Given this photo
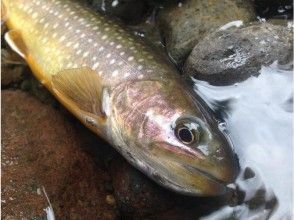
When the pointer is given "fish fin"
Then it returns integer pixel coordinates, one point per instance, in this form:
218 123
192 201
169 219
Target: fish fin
15 41
80 88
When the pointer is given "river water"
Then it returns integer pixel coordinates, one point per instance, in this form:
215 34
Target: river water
257 114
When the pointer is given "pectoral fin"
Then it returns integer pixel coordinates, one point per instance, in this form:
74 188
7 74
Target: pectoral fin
81 90
15 41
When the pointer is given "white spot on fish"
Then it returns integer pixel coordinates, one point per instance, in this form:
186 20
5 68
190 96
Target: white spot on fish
35 15
95 66
104 37
112 61
76 45
122 53
126 74
62 38
55 25
140 67
101 49
46 25
42 20
114 73
118 46
140 76
108 55
130 58
44 40
86 54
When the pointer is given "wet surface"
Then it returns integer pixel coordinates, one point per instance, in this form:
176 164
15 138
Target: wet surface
258 116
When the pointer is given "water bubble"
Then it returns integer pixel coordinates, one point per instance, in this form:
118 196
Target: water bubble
281 9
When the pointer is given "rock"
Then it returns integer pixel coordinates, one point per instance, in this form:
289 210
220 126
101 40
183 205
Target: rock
190 21
233 55
11 75
130 11
138 197
41 147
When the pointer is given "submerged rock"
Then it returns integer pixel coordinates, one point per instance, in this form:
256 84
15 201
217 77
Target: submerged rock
230 56
274 8
130 11
185 24
40 147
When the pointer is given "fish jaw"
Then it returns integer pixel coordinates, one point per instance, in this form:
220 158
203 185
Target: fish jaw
144 121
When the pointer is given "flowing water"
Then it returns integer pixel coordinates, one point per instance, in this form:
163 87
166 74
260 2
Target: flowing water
257 114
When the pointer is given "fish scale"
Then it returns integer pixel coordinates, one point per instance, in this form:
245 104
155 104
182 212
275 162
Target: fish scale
125 92
68 35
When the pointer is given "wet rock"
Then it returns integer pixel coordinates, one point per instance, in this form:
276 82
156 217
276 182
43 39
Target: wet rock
12 68
130 11
41 147
185 24
11 75
233 55
138 197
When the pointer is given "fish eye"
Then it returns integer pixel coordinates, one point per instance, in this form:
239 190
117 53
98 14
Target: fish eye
188 132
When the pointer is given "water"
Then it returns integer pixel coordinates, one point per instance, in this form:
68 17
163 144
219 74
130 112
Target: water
258 117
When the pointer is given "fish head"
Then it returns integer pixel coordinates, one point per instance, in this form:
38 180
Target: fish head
173 138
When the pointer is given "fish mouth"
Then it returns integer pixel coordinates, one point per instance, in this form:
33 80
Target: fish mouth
220 187
211 185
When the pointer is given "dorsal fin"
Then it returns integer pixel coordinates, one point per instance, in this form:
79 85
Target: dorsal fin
81 90
15 41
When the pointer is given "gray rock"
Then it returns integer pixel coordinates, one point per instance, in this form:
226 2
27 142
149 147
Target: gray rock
230 56
184 25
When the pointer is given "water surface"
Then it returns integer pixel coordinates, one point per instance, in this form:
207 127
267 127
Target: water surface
257 114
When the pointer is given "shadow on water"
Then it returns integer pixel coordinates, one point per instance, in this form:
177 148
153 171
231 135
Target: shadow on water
258 116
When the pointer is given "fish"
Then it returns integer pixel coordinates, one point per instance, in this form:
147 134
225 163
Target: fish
119 87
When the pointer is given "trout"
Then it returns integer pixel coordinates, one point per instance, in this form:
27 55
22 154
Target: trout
125 92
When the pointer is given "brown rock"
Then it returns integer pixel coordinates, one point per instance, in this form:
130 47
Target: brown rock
40 147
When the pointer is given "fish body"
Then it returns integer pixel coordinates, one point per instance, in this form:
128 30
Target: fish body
122 90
